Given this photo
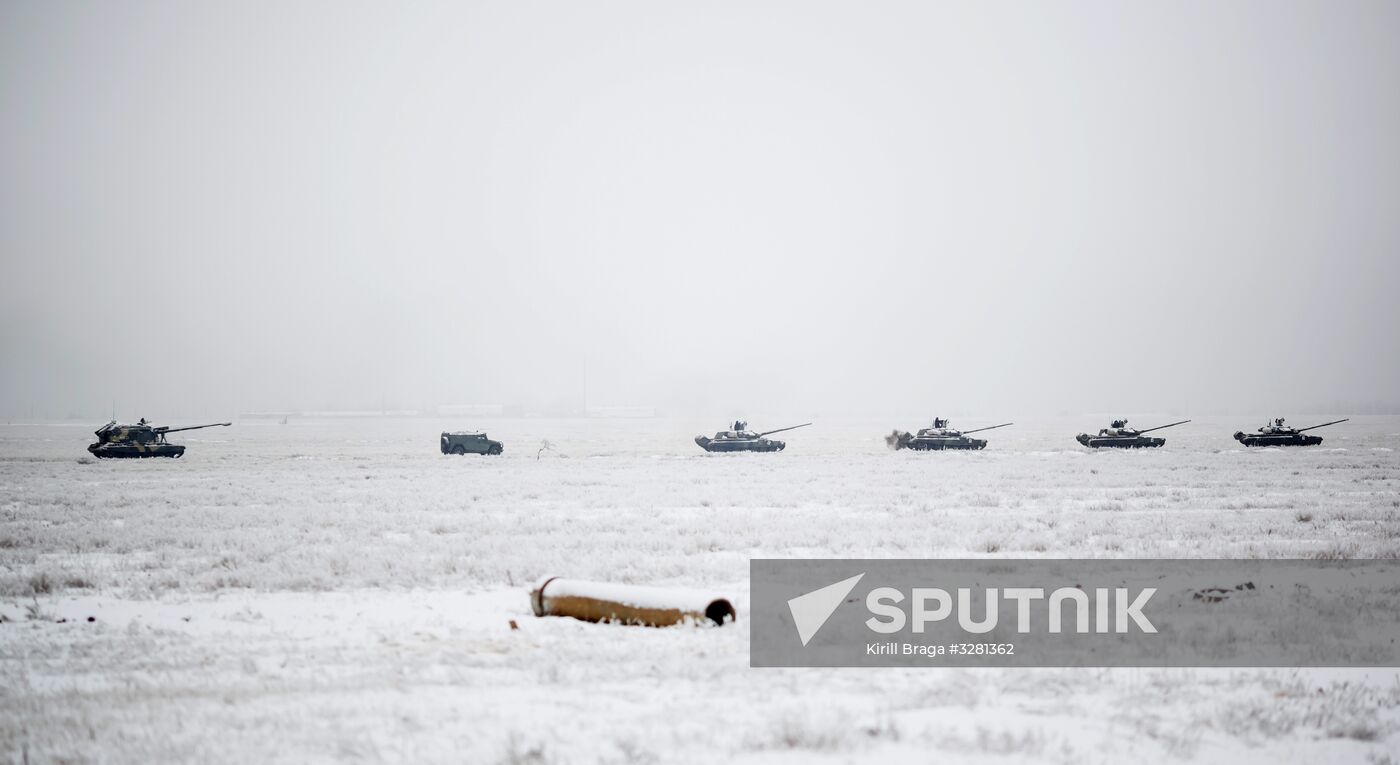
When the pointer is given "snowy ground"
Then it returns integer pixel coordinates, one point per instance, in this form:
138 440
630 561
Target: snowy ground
336 589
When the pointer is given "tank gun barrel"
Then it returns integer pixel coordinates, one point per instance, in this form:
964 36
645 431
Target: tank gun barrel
780 430
989 427
192 427
1159 427
1323 425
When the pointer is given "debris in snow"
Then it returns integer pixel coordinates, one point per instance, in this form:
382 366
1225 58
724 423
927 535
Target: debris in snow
628 604
1220 594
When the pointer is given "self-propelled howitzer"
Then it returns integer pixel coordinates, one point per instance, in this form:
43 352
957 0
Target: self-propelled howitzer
140 440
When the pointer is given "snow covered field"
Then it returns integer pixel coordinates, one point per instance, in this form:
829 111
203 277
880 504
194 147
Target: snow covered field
335 589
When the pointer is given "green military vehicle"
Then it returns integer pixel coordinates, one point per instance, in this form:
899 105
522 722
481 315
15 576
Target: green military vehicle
1277 434
469 442
140 440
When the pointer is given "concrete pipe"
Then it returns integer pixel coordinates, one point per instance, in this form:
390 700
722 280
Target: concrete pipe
627 604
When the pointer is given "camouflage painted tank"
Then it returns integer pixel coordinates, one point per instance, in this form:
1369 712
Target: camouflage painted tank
1119 436
939 438
139 440
741 439
1278 434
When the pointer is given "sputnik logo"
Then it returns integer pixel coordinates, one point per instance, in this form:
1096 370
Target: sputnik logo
810 611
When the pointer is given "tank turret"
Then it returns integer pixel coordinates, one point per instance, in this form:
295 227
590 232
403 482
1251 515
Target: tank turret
140 440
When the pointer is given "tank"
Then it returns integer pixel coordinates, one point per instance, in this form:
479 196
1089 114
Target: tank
939 437
1277 434
1119 436
140 440
741 439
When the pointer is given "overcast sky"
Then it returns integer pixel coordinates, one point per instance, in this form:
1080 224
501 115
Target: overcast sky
807 208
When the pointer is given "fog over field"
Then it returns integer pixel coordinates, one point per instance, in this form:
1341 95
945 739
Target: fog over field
209 208
598 230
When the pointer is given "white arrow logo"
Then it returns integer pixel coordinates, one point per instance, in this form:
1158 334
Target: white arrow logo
810 611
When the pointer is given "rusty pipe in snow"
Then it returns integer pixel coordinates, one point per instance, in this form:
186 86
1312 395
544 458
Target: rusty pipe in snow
627 603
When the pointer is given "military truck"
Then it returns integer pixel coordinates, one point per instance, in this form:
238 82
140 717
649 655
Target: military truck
469 442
